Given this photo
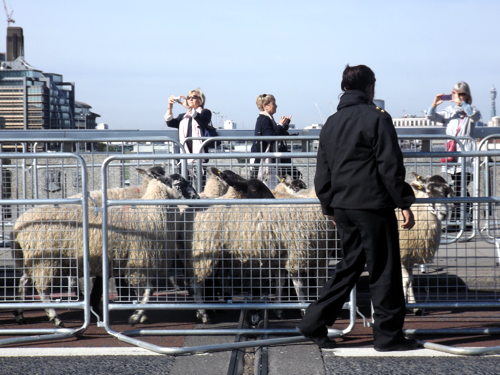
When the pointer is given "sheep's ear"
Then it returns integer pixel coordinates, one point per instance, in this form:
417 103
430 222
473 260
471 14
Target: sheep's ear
141 171
418 177
282 179
156 172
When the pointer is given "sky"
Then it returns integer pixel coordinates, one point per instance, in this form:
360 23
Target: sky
127 57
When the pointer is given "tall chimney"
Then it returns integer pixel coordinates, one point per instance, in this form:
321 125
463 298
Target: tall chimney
15 43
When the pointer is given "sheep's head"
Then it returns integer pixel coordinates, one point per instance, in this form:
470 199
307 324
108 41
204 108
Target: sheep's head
250 189
294 184
231 178
433 187
183 186
157 173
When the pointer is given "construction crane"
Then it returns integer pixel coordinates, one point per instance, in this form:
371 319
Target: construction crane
7 14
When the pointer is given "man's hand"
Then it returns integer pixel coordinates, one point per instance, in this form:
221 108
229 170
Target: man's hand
332 219
409 220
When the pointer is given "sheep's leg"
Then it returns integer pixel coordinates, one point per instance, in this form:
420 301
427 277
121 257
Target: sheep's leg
279 294
203 266
201 314
43 275
23 282
299 290
51 313
139 316
407 274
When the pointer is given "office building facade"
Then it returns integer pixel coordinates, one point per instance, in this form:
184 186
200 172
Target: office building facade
33 100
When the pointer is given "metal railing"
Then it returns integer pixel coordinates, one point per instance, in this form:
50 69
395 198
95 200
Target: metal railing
44 264
463 273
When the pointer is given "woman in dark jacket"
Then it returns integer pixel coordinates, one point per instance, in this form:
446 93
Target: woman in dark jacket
191 123
266 126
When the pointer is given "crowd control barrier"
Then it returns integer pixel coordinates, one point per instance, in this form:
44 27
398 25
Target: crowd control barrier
45 274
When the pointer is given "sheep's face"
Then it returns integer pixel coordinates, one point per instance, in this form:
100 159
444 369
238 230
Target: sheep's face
297 185
184 187
231 178
434 187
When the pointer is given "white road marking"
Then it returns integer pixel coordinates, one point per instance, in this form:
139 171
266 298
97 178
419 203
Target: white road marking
135 351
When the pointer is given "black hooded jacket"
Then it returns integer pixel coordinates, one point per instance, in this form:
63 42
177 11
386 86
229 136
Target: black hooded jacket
360 164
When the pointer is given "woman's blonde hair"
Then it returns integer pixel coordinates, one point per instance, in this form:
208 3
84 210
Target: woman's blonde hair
199 93
463 88
263 100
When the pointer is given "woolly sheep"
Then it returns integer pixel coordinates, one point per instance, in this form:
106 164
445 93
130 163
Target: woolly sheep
261 237
419 244
139 240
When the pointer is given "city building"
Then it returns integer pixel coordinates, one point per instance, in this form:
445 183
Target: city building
31 99
229 125
84 117
413 121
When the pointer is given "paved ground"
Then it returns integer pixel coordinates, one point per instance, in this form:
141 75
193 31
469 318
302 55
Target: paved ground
95 352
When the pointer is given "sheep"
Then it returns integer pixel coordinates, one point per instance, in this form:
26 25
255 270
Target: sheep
275 237
139 240
183 186
419 244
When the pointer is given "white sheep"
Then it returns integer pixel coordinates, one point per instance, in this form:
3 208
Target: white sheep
419 244
267 238
140 239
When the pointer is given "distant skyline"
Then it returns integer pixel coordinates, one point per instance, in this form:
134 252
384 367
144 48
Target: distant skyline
126 57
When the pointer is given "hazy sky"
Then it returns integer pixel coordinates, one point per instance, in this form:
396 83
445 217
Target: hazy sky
126 57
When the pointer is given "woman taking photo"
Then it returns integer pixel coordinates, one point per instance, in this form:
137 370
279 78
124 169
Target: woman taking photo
193 122
266 126
459 118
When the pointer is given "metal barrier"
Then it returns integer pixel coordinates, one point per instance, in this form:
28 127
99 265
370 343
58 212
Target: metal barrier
243 165
244 254
54 254
462 274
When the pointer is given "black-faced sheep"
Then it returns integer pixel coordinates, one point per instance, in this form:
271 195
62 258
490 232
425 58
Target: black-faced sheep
140 240
419 244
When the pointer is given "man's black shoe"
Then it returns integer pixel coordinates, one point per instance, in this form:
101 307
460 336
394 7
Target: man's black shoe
322 341
403 345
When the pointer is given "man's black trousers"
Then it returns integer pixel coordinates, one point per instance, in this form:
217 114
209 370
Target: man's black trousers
368 237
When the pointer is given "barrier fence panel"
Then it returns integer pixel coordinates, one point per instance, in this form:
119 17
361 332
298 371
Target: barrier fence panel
461 270
208 254
54 178
160 259
47 256
245 166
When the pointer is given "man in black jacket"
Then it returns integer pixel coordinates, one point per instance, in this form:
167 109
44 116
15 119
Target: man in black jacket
360 180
